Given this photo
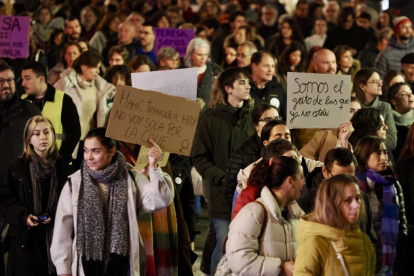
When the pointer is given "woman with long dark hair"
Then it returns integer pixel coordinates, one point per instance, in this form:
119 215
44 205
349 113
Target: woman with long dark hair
289 31
368 87
377 180
96 229
29 193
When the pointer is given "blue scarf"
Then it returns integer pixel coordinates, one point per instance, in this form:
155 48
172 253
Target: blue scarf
389 224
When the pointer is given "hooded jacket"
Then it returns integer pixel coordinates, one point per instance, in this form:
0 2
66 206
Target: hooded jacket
249 256
316 255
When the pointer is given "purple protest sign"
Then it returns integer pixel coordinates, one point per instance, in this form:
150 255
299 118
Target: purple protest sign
175 38
14 36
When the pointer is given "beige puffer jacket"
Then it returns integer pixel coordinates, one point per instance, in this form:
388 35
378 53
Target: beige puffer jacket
249 256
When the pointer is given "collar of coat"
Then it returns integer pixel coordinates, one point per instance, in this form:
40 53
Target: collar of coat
294 211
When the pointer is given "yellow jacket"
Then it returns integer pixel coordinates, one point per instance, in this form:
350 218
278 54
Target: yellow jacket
316 255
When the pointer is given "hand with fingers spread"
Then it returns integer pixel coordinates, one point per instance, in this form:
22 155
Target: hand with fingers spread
154 154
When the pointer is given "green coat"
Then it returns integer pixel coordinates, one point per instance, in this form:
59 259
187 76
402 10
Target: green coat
221 130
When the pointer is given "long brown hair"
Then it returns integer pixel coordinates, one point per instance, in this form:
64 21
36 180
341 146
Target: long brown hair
330 196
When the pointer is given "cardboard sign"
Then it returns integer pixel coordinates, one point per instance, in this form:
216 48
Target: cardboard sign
179 82
317 100
142 160
138 115
14 36
175 38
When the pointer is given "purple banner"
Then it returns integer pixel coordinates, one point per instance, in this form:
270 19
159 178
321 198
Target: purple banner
175 38
14 36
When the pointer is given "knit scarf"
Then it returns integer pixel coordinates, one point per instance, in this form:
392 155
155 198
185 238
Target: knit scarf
389 224
102 226
40 172
158 231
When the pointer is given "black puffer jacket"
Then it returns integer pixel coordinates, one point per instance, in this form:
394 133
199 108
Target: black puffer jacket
247 154
273 93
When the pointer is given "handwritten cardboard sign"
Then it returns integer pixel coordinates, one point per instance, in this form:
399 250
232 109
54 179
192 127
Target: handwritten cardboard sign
14 36
138 115
317 100
142 160
179 82
175 38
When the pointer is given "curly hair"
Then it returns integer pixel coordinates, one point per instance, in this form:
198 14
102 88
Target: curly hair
365 121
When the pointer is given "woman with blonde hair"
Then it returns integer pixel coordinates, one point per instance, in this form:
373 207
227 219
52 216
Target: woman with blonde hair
330 240
198 55
29 193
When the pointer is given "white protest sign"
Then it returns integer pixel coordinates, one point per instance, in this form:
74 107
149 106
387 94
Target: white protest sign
317 100
179 82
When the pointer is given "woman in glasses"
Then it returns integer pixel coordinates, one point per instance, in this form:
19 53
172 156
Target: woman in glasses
401 97
324 140
377 180
368 87
249 152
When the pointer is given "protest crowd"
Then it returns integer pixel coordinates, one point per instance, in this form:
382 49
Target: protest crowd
284 196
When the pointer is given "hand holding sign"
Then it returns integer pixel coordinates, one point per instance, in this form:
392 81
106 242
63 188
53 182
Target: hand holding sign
154 154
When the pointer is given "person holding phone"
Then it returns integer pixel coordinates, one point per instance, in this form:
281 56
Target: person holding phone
29 193
96 229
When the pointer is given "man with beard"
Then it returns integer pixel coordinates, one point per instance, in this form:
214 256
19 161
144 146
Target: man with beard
400 44
73 30
324 62
89 20
268 25
147 39
14 113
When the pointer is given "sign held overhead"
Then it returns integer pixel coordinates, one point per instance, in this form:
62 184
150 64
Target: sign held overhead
179 82
138 115
317 100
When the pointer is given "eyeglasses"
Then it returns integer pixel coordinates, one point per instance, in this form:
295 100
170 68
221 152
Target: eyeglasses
9 81
269 119
375 82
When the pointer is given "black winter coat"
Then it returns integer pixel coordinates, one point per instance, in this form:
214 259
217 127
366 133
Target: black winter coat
273 93
14 115
356 38
221 130
247 154
27 252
